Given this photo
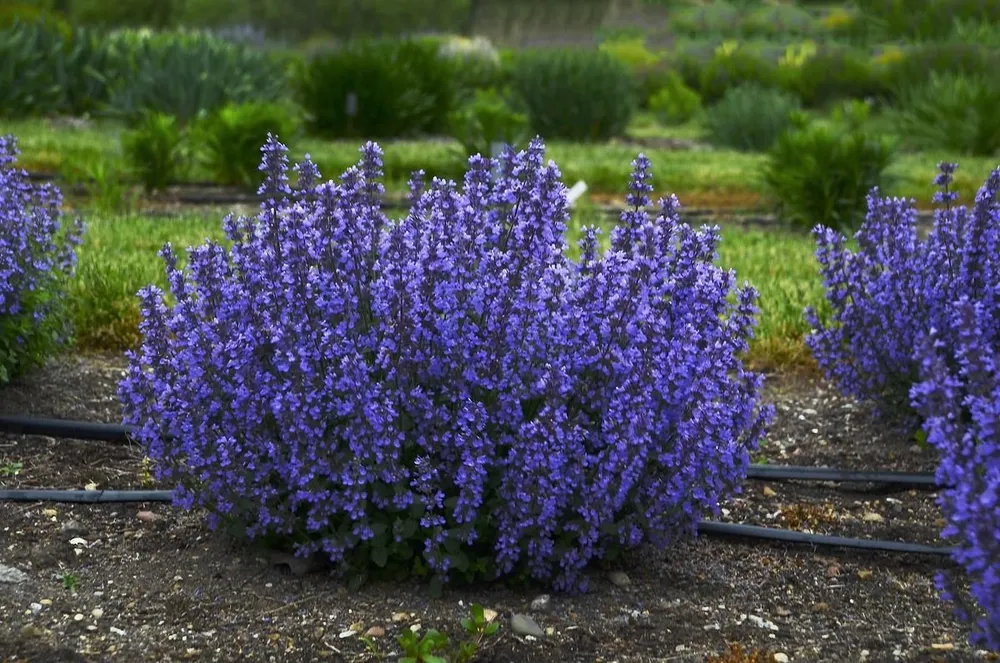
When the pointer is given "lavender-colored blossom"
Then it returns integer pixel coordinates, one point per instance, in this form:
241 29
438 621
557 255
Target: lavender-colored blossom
449 386
36 254
960 400
916 324
886 295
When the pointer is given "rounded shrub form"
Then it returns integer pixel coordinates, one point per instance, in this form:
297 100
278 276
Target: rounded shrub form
750 117
449 394
959 398
575 94
897 286
37 253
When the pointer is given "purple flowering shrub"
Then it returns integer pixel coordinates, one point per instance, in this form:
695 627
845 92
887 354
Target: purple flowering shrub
890 292
448 395
37 254
959 398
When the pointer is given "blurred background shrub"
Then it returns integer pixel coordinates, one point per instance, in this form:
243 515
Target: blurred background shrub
575 94
378 89
749 117
822 172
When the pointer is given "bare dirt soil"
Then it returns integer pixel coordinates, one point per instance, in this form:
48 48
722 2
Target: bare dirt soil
153 583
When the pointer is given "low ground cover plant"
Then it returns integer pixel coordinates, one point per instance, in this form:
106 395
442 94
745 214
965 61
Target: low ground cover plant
959 398
37 254
449 395
887 295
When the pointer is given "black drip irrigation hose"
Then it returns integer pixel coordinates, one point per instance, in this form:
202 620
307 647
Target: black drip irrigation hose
118 434
706 527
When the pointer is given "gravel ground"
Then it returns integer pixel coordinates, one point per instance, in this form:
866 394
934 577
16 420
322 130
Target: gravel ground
151 583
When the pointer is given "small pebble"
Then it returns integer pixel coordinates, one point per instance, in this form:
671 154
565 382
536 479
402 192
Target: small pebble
97 613
781 657
619 579
72 529
525 625
35 608
375 632
541 603
116 630
400 616
78 617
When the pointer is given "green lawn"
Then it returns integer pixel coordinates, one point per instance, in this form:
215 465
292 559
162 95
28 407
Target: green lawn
715 178
119 257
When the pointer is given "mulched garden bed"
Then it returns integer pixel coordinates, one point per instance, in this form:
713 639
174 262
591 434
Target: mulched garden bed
152 583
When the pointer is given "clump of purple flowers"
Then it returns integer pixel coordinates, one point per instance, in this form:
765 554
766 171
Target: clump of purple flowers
449 394
896 286
36 255
960 400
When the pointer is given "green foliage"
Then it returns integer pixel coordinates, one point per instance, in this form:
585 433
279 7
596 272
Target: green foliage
922 19
228 141
103 180
730 68
632 52
10 468
912 66
750 117
485 120
716 17
185 74
957 113
69 581
575 94
153 150
675 103
433 646
778 20
47 70
475 64
821 173
402 88
831 74
134 13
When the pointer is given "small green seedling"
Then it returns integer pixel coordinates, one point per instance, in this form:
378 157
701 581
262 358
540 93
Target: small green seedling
11 469
433 647
424 649
69 581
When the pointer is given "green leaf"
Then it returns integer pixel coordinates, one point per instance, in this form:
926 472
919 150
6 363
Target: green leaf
380 556
492 628
436 587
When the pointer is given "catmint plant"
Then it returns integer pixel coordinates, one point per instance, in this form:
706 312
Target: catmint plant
959 397
37 253
449 394
896 286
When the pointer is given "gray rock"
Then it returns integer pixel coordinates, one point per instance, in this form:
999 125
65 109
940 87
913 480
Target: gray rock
72 529
541 603
12 575
525 625
619 579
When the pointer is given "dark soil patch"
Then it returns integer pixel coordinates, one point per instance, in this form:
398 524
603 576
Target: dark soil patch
165 588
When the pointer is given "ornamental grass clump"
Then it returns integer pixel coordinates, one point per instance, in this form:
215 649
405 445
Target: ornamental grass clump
959 398
37 254
448 395
890 292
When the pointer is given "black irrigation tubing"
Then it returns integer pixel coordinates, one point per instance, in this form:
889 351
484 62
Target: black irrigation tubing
706 527
118 434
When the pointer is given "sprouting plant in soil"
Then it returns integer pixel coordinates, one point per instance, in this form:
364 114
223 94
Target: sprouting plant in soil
11 469
69 581
433 646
